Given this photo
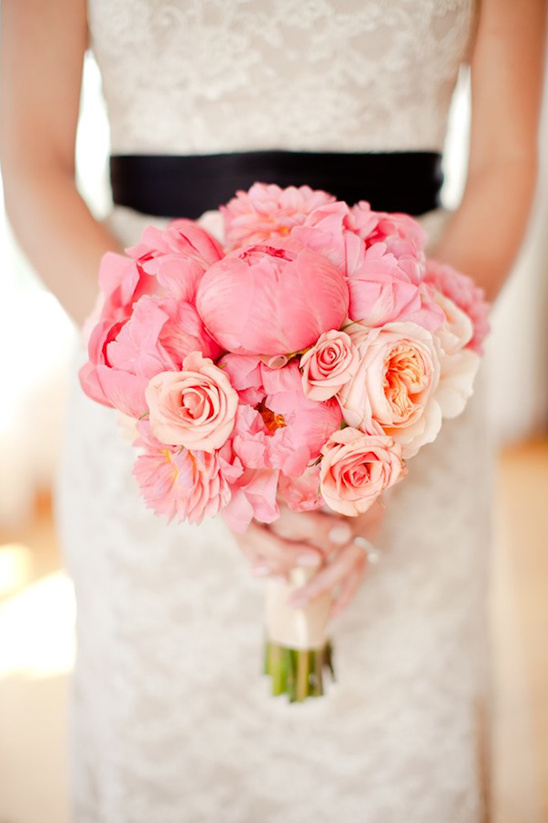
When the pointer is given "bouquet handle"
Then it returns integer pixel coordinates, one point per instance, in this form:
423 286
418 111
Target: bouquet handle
297 648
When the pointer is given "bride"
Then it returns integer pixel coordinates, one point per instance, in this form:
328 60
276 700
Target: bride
171 719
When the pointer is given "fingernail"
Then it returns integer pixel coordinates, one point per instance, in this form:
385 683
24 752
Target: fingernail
312 561
340 534
260 571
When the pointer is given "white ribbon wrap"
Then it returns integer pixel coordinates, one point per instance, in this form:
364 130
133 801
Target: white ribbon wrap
302 629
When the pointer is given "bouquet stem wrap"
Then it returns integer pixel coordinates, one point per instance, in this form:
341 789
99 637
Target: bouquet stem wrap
297 648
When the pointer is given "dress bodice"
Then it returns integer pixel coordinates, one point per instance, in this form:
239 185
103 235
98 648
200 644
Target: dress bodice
206 76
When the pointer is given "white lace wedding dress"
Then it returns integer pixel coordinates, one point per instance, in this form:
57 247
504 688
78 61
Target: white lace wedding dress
173 722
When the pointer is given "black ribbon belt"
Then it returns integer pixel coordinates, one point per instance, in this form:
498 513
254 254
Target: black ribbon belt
187 186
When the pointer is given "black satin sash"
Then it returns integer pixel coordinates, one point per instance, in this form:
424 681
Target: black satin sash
187 186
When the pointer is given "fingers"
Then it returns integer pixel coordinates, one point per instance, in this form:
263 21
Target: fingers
270 554
350 560
324 531
347 590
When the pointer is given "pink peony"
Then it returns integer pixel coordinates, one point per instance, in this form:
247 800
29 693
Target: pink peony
186 484
177 256
122 283
387 289
271 300
303 425
381 227
143 328
395 386
267 212
328 365
302 494
462 290
253 496
356 468
195 407
284 430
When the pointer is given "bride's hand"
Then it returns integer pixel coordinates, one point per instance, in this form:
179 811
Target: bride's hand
345 560
314 539
294 539
273 555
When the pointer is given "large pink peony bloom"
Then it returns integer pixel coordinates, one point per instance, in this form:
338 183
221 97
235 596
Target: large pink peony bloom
146 323
177 256
395 386
195 407
382 227
303 424
122 283
462 290
385 288
271 300
356 468
267 212
189 485
284 429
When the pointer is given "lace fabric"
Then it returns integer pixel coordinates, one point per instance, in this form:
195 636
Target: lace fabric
172 719
206 76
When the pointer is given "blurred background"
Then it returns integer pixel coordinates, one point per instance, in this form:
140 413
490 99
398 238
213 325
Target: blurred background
37 609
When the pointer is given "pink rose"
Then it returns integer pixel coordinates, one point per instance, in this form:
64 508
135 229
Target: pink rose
462 290
328 365
195 407
395 384
267 211
356 468
189 485
271 300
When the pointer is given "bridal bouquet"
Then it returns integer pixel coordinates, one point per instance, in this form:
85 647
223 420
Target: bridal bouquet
302 356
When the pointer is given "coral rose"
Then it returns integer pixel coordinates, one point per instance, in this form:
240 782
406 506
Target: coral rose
328 365
271 299
356 468
195 407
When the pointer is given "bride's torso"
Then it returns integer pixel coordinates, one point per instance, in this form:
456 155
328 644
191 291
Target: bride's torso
207 76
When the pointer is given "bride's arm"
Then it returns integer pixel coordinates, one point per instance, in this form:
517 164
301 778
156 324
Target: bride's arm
485 232
42 52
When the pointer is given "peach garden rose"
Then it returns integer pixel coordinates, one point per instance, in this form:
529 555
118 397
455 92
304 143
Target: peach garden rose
395 384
